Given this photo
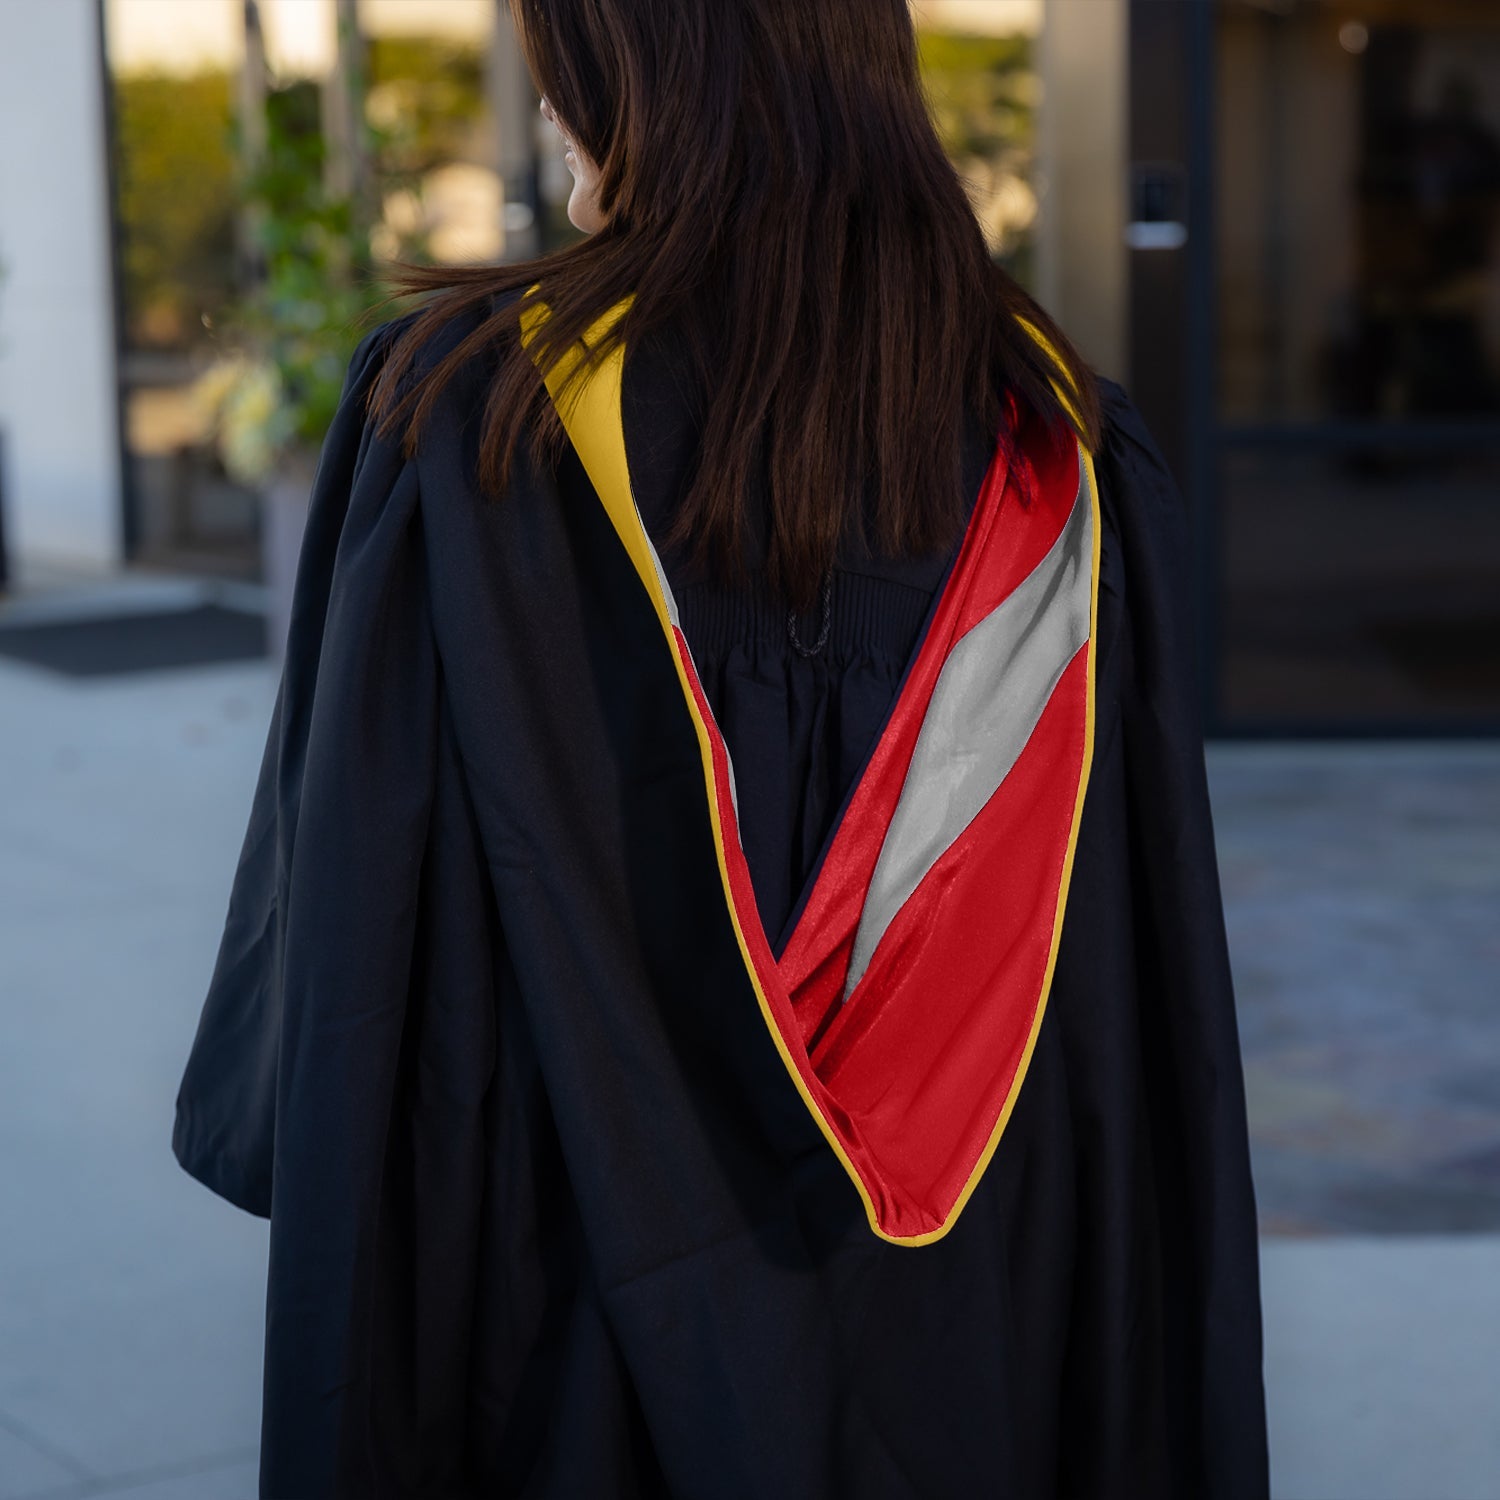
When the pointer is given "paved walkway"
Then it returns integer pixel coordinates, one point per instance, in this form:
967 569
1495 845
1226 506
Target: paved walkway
1362 889
130 1298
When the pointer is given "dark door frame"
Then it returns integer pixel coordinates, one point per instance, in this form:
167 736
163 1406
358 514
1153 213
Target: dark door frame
1170 286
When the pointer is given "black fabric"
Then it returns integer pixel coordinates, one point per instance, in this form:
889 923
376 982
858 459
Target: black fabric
548 1216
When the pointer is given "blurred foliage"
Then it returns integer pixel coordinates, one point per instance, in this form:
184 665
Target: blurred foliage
426 97
285 338
175 168
983 92
289 338
313 280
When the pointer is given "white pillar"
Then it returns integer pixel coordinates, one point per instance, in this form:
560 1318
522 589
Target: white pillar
1082 265
514 103
58 401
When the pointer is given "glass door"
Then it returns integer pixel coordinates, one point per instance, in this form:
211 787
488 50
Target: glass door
1356 446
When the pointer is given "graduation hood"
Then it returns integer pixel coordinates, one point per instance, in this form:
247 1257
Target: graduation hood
905 1005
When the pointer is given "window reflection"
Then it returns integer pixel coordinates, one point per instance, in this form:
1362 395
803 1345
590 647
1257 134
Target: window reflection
1359 210
1358 261
177 91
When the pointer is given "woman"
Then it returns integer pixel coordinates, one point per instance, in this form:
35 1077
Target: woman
724 991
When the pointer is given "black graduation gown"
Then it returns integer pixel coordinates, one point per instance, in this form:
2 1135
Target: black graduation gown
548 1216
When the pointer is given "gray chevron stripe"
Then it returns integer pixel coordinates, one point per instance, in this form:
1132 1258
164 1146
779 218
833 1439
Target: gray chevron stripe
672 615
661 572
985 705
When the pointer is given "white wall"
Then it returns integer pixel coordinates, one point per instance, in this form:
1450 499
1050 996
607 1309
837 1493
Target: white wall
62 481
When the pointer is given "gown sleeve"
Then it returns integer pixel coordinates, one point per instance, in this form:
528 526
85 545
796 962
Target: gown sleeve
341 1079
322 893
1194 1083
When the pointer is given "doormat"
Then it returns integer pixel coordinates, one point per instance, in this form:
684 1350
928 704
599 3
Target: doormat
114 645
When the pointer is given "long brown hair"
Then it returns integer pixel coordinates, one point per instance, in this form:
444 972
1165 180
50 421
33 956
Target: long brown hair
773 187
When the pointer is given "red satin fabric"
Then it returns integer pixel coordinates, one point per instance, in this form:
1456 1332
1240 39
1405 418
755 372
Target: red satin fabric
912 1073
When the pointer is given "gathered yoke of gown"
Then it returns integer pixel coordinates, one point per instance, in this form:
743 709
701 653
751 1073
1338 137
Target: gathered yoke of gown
800 706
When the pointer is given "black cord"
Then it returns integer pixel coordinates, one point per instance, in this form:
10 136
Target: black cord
791 621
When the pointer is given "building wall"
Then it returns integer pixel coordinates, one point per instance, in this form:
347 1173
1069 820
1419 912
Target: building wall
58 403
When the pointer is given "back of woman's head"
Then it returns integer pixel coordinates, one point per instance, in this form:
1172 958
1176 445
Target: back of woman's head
770 184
